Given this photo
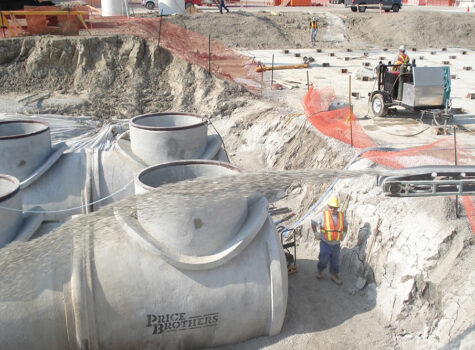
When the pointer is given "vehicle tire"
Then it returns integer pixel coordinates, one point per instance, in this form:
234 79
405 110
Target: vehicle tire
396 8
150 5
387 10
362 8
378 107
353 8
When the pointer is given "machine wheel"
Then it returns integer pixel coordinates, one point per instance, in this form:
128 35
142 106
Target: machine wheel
150 5
387 10
362 8
396 8
353 8
378 107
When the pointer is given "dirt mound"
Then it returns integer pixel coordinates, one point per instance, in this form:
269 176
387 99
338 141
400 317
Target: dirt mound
110 76
421 29
266 30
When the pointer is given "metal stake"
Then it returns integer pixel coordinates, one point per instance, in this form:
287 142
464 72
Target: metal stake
349 107
262 83
160 27
272 73
456 162
209 53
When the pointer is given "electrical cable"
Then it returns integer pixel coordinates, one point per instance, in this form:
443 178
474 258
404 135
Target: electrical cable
69 209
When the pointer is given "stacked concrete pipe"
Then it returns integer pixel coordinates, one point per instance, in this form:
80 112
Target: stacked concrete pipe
57 180
217 277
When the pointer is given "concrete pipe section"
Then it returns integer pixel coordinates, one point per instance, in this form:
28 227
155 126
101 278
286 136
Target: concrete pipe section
213 275
10 197
164 137
15 226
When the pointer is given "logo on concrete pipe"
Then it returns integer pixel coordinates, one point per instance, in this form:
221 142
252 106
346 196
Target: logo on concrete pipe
180 321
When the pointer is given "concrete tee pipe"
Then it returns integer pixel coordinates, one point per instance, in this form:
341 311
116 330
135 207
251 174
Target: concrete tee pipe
124 287
10 197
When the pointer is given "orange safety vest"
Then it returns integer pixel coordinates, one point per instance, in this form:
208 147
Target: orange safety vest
401 59
330 231
313 24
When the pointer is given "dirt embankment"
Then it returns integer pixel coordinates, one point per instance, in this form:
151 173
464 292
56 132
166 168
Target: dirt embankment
110 76
421 29
264 30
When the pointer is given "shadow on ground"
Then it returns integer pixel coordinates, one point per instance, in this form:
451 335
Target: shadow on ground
315 305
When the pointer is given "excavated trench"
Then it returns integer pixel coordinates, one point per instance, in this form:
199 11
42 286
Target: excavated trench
416 289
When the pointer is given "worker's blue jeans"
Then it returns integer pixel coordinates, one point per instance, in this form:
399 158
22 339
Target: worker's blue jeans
313 34
329 253
221 5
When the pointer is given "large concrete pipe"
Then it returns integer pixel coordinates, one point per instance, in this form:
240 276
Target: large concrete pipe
126 288
10 197
115 8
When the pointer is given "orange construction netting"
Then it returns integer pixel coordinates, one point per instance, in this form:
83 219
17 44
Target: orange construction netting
191 46
429 2
343 125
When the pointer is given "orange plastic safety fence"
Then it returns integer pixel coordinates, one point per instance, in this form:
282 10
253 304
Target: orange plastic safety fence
429 2
193 47
342 124
316 101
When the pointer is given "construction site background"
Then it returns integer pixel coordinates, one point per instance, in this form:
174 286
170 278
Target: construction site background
230 65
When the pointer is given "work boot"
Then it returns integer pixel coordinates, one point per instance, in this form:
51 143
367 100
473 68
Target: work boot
335 279
318 275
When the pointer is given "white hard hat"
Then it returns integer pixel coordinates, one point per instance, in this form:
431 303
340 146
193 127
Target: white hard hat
313 18
402 48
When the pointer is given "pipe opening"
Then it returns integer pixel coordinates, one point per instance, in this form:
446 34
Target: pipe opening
166 121
21 128
173 172
9 186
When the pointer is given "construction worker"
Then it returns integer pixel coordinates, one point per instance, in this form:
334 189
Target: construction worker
329 226
313 30
402 59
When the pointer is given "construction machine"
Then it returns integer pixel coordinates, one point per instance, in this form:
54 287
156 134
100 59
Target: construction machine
414 88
